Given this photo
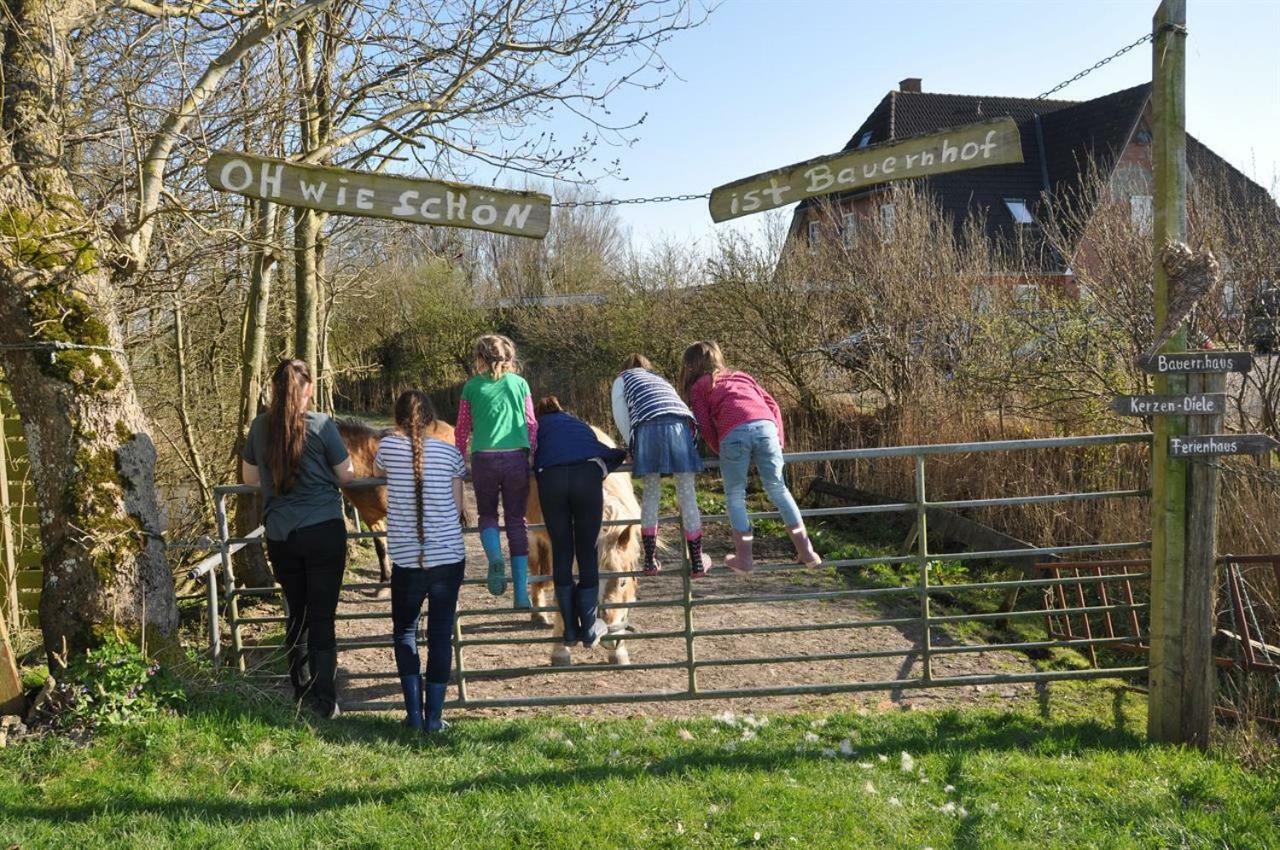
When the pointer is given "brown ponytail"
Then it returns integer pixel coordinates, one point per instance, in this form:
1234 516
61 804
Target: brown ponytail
287 422
414 417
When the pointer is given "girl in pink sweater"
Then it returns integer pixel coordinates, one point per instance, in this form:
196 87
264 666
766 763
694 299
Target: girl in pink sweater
741 423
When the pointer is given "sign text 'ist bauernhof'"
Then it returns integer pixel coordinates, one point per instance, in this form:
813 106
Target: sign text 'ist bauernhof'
360 193
995 142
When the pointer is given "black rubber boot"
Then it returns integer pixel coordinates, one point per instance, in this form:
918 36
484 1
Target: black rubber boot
568 613
591 628
324 688
299 672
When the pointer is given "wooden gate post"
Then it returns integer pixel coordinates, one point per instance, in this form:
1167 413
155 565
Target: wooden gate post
1183 503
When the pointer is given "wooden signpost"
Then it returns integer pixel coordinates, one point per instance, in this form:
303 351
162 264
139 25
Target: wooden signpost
972 146
361 193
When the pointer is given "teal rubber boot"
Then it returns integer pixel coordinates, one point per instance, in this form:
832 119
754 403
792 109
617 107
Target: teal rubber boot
491 540
520 580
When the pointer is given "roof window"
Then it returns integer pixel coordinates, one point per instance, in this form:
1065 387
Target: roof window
1018 209
865 140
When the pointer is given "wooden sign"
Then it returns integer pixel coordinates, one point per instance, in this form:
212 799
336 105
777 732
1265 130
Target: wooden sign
1221 444
1191 362
1202 404
348 192
972 146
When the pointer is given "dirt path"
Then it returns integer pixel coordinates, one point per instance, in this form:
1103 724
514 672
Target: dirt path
357 665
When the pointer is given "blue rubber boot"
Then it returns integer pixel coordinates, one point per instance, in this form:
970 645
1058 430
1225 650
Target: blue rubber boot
433 708
491 540
412 687
520 579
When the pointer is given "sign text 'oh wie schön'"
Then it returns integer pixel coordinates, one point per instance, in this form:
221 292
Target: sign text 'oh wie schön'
360 193
972 146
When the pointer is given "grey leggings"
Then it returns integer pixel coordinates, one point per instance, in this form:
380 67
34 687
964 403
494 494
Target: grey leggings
686 495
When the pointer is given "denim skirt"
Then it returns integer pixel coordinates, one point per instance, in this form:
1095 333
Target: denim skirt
665 446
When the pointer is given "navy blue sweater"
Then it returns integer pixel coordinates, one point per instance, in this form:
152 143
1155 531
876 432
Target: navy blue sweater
565 439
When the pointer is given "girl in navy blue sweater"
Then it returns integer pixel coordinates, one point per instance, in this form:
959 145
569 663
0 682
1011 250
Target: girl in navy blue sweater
571 464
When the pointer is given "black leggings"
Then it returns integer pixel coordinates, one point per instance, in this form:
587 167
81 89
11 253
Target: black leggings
309 564
572 505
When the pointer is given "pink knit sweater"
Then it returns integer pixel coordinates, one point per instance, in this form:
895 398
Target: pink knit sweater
733 399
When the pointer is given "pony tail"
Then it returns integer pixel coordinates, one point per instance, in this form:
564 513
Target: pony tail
287 422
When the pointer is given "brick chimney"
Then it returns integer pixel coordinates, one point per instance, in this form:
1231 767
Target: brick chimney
910 84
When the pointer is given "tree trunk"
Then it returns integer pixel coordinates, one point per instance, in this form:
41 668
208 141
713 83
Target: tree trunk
251 565
184 409
306 236
92 460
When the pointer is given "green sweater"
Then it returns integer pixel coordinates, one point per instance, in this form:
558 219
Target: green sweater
495 415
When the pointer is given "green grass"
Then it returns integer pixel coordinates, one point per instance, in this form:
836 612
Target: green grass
1072 770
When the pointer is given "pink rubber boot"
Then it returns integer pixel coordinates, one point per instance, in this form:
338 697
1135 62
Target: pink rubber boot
804 546
741 561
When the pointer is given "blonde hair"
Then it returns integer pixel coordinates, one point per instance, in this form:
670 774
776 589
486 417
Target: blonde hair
701 358
496 354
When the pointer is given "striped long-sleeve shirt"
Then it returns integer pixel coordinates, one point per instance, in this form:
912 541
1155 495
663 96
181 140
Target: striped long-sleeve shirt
639 396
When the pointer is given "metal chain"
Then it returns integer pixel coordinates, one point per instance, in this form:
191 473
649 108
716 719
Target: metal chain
617 202
663 199
1087 71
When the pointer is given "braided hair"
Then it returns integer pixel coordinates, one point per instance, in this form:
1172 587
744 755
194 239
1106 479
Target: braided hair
415 416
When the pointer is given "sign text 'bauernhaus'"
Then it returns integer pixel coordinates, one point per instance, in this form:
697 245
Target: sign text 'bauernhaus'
1204 404
971 146
347 192
1185 362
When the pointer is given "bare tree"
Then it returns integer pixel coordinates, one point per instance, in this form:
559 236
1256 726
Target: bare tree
108 110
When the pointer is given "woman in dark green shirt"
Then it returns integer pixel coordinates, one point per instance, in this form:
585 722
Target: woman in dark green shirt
299 460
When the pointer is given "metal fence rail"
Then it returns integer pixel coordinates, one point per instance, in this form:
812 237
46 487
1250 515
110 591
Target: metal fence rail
921 596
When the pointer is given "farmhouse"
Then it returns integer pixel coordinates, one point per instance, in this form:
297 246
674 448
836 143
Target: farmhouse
1061 141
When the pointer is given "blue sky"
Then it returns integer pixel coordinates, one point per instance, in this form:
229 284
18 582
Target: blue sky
768 82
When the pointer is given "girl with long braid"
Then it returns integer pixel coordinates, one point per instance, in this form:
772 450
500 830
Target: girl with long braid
424 539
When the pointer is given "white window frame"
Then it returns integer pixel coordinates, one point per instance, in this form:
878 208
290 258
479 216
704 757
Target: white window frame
849 227
865 139
888 221
1141 212
815 231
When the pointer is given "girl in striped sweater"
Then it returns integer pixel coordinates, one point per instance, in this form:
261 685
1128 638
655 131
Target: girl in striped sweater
659 430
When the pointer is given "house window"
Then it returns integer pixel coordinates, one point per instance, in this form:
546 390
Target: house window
1018 209
865 140
888 218
1140 212
849 227
815 232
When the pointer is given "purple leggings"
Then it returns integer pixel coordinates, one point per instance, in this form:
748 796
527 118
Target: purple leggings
505 475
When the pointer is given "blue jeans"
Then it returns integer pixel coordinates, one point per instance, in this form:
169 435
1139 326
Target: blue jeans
438 586
754 442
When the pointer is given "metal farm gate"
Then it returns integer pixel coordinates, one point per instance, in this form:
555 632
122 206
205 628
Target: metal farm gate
906 608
